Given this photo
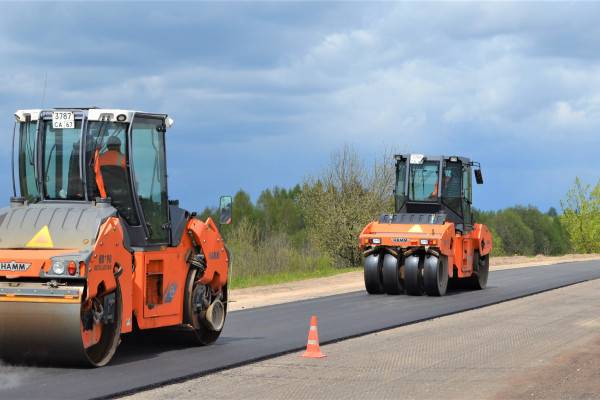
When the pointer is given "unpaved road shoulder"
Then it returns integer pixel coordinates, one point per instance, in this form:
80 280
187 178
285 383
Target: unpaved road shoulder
542 346
353 281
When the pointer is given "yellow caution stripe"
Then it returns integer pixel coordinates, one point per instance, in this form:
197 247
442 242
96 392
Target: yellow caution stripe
31 299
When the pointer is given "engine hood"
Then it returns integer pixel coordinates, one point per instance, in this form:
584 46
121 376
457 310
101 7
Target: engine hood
56 225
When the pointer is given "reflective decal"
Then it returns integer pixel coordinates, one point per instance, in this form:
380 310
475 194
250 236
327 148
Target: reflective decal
42 239
416 229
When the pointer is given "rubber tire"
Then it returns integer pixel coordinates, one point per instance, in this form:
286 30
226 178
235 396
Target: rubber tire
391 273
372 274
201 334
435 275
413 275
480 274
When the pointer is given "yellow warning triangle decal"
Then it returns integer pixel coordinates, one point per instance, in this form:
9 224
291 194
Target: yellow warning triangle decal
416 229
41 239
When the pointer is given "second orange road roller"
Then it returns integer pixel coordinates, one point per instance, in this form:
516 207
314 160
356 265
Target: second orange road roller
92 247
431 237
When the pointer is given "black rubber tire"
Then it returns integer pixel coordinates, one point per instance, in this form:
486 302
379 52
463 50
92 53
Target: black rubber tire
201 334
372 273
391 273
435 275
481 270
413 275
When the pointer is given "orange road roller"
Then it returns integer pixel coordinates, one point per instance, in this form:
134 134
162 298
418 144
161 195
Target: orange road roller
431 237
91 246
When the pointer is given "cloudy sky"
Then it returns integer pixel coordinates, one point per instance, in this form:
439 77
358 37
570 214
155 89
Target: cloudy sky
262 93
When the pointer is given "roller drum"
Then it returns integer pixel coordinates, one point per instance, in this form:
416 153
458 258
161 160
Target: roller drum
43 324
41 332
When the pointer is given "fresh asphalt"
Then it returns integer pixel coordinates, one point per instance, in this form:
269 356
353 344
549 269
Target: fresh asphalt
150 360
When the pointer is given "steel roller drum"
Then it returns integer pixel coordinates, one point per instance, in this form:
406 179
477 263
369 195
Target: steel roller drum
41 332
41 329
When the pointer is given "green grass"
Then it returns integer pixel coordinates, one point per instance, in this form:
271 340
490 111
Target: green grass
284 277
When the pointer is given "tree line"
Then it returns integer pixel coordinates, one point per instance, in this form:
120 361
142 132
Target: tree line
315 225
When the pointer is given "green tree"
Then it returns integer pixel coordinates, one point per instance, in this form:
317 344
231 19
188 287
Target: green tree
517 238
244 209
497 244
581 216
549 238
339 204
281 210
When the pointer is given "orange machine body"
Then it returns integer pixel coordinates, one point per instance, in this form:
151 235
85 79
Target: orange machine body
443 238
151 282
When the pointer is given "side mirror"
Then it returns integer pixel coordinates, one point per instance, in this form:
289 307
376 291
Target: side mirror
225 210
478 176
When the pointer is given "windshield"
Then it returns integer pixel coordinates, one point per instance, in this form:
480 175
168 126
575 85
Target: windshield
106 166
423 181
27 147
60 156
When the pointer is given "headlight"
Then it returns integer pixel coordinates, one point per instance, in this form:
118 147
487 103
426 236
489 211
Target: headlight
58 267
424 242
376 241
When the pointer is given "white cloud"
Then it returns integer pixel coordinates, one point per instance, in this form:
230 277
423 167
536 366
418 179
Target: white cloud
435 77
565 114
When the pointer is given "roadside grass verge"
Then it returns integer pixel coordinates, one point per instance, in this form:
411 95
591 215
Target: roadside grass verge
240 282
257 261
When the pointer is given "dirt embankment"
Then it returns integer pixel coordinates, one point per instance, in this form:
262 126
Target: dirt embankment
352 281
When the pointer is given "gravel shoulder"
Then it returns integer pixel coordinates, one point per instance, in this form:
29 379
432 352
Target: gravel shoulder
511 350
353 281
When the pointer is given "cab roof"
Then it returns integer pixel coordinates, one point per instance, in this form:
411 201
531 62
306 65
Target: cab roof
91 113
411 156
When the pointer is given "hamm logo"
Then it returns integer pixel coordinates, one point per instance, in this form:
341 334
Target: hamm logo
14 266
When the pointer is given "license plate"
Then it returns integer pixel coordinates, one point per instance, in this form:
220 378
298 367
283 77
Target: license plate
63 120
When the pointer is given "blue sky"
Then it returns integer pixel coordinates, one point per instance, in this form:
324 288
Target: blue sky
262 93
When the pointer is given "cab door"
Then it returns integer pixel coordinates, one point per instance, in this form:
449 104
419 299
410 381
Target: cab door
150 176
154 262
467 198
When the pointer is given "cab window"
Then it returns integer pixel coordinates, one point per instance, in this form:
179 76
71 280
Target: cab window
452 185
27 152
60 157
148 155
400 183
107 171
423 183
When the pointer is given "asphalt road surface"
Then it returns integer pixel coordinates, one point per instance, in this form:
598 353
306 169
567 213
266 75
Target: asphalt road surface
150 360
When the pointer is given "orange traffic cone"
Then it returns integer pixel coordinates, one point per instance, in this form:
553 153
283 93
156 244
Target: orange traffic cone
312 346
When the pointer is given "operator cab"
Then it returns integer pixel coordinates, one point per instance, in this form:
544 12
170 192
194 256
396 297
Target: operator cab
438 188
100 156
